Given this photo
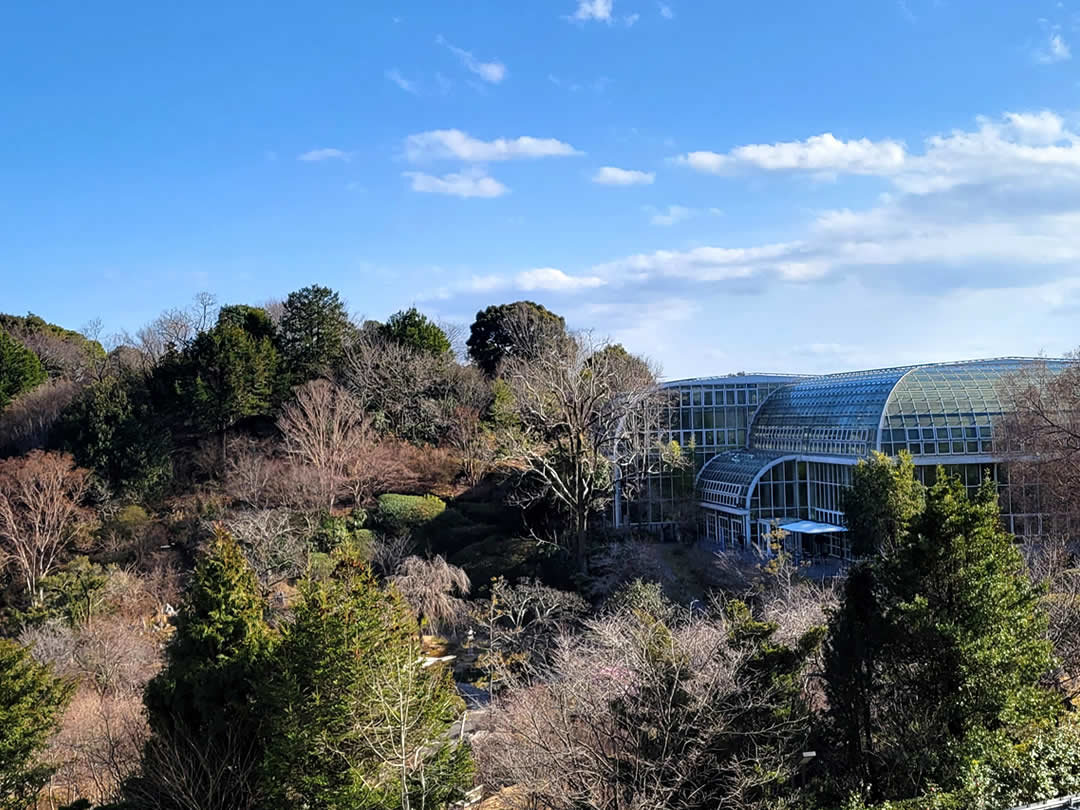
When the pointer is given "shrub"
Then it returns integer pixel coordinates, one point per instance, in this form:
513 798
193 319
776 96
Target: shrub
402 513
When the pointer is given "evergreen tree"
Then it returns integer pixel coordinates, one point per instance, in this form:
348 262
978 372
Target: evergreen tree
412 329
253 320
205 747
883 500
111 427
224 376
940 641
31 703
20 369
313 332
357 720
511 330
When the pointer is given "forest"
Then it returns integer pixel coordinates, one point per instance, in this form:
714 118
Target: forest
279 556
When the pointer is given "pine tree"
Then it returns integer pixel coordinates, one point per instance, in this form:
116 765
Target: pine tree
313 332
31 702
939 642
358 721
205 747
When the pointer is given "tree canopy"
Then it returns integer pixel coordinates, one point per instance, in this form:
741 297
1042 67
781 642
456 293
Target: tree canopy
412 329
511 330
938 651
20 369
313 332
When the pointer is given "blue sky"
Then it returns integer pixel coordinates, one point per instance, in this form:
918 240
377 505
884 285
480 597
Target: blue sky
721 186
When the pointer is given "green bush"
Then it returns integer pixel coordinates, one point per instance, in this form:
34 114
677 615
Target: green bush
335 530
402 513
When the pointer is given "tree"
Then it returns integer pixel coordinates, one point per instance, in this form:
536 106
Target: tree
326 430
580 408
32 701
689 714
64 353
313 331
20 369
883 500
1041 435
358 719
517 330
411 329
224 376
253 320
429 587
205 747
112 428
939 645
40 512
414 394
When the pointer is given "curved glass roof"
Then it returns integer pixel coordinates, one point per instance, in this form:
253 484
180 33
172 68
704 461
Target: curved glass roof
837 414
726 478
933 409
949 408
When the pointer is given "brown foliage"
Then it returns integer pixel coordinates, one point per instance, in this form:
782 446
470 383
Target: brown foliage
26 422
40 512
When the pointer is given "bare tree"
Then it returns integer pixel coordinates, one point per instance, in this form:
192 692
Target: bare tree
326 430
415 394
1054 562
429 586
639 714
40 512
475 443
581 403
175 328
275 547
1040 434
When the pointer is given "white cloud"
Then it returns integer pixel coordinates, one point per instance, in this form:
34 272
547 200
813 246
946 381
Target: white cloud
455 144
672 216
554 280
395 76
612 176
989 208
1055 50
472 182
493 72
665 11
820 153
630 19
593 10
324 154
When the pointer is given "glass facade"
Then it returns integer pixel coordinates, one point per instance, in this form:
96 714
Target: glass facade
706 416
807 436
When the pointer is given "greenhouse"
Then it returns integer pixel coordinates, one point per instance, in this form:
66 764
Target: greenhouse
806 435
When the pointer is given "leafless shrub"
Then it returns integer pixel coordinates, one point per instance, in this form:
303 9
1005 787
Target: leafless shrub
26 422
250 472
616 563
40 512
326 430
389 551
1054 562
275 547
185 772
640 715
430 588
518 626
98 745
52 643
414 393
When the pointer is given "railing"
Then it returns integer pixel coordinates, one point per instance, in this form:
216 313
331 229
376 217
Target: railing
1053 804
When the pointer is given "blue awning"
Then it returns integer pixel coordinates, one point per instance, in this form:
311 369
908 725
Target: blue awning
810 527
